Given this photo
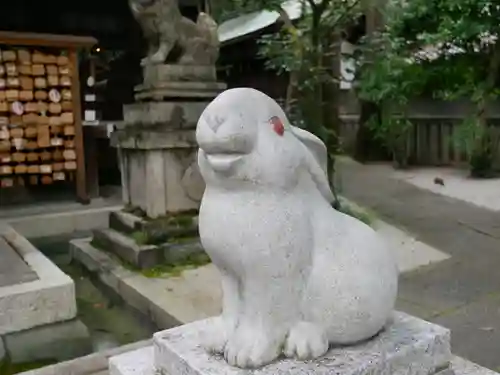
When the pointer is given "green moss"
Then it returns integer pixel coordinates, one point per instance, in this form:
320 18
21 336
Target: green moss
190 262
143 237
97 244
163 229
162 270
179 218
140 237
182 240
134 211
183 221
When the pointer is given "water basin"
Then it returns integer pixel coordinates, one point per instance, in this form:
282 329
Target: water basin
110 322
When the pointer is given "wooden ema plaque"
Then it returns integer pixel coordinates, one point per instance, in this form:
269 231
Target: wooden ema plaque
41 141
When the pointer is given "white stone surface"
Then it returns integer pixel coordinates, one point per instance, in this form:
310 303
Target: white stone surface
408 346
296 274
49 299
480 192
136 362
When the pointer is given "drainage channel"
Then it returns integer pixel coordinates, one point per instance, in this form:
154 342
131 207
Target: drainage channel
108 320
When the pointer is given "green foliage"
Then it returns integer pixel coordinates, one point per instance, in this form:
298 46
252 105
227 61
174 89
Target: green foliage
140 237
306 49
391 82
443 49
482 159
393 132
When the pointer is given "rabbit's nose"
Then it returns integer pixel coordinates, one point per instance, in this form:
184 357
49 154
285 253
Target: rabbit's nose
216 123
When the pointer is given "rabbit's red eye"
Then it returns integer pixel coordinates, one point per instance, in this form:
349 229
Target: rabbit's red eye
277 124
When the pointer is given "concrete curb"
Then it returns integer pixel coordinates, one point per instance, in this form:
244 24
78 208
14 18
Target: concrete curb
93 363
54 224
49 299
133 288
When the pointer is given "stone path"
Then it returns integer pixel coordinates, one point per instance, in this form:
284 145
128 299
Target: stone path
456 183
461 293
13 269
9 213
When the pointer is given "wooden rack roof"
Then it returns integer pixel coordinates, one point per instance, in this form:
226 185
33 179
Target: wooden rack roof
46 40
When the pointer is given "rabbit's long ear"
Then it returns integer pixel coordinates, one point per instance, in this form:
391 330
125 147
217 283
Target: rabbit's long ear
317 161
314 144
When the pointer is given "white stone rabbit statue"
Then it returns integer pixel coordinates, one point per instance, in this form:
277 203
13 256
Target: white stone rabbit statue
297 275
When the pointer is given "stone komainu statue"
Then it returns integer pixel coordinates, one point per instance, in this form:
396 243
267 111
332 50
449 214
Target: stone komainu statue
173 38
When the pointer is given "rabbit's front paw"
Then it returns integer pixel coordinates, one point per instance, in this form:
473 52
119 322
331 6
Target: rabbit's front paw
215 336
250 347
306 341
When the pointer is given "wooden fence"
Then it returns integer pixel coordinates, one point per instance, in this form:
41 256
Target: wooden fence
432 140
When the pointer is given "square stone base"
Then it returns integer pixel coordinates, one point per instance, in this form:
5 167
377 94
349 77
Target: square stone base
408 346
140 362
161 181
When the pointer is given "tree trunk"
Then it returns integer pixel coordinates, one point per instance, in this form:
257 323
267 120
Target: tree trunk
364 145
293 78
489 85
331 88
316 94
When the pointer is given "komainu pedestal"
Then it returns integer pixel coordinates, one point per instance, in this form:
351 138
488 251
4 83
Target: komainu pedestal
157 146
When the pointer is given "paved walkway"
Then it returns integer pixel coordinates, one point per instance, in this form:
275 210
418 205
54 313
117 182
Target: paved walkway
461 293
8 213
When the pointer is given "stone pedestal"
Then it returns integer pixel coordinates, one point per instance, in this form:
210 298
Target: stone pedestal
159 170
408 346
157 146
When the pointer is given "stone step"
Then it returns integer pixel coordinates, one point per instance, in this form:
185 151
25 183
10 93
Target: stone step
127 249
181 252
124 222
157 231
